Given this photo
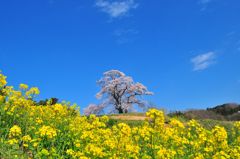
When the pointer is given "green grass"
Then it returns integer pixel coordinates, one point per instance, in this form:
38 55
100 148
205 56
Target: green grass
7 152
209 124
131 123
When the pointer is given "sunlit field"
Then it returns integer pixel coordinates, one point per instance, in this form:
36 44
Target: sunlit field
29 130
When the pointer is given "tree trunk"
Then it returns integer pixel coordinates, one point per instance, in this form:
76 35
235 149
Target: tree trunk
120 111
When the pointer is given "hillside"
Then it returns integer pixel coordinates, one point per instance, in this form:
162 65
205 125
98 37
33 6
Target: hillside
227 111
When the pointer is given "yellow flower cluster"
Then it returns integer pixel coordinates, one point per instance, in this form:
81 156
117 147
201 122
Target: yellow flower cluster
15 131
59 131
3 81
23 86
32 92
47 131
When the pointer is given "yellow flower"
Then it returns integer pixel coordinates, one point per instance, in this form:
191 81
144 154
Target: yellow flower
75 136
15 131
12 141
2 98
23 86
26 138
70 152
157 118
176 123
39 120
104 118
221 155
164 153
25 145
32 92
35 144
94 150
237 125
77 145
47 131
220 137
3 81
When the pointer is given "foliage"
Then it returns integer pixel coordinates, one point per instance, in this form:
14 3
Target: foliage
203 114
229 112
51 101
210 124
120 92
131 123
28 130
226 109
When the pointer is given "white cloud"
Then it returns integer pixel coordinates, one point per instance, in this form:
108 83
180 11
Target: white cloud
116 8
205 1
203 61
204 4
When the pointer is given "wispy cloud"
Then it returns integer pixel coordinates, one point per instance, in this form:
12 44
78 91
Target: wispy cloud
203 61
117 8
125 35
205 1
204 4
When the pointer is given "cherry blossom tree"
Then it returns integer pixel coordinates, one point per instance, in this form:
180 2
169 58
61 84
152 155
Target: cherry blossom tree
119 93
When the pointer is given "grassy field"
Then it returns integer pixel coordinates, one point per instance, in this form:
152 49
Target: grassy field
135 119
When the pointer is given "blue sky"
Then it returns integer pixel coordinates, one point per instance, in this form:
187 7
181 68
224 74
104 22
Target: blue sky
187 52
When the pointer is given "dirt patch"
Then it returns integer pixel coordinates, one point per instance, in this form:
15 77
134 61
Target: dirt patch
124 117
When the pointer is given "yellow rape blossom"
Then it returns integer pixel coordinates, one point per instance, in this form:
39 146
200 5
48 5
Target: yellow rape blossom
12 141
23 86
3 81
32 92
15 131
2 99
70 152
47 131
59 131
94 150
26 138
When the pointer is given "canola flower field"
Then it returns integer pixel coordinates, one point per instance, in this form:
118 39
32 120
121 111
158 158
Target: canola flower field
28 130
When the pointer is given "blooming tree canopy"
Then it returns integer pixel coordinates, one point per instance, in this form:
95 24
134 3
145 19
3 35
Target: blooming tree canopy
119 92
